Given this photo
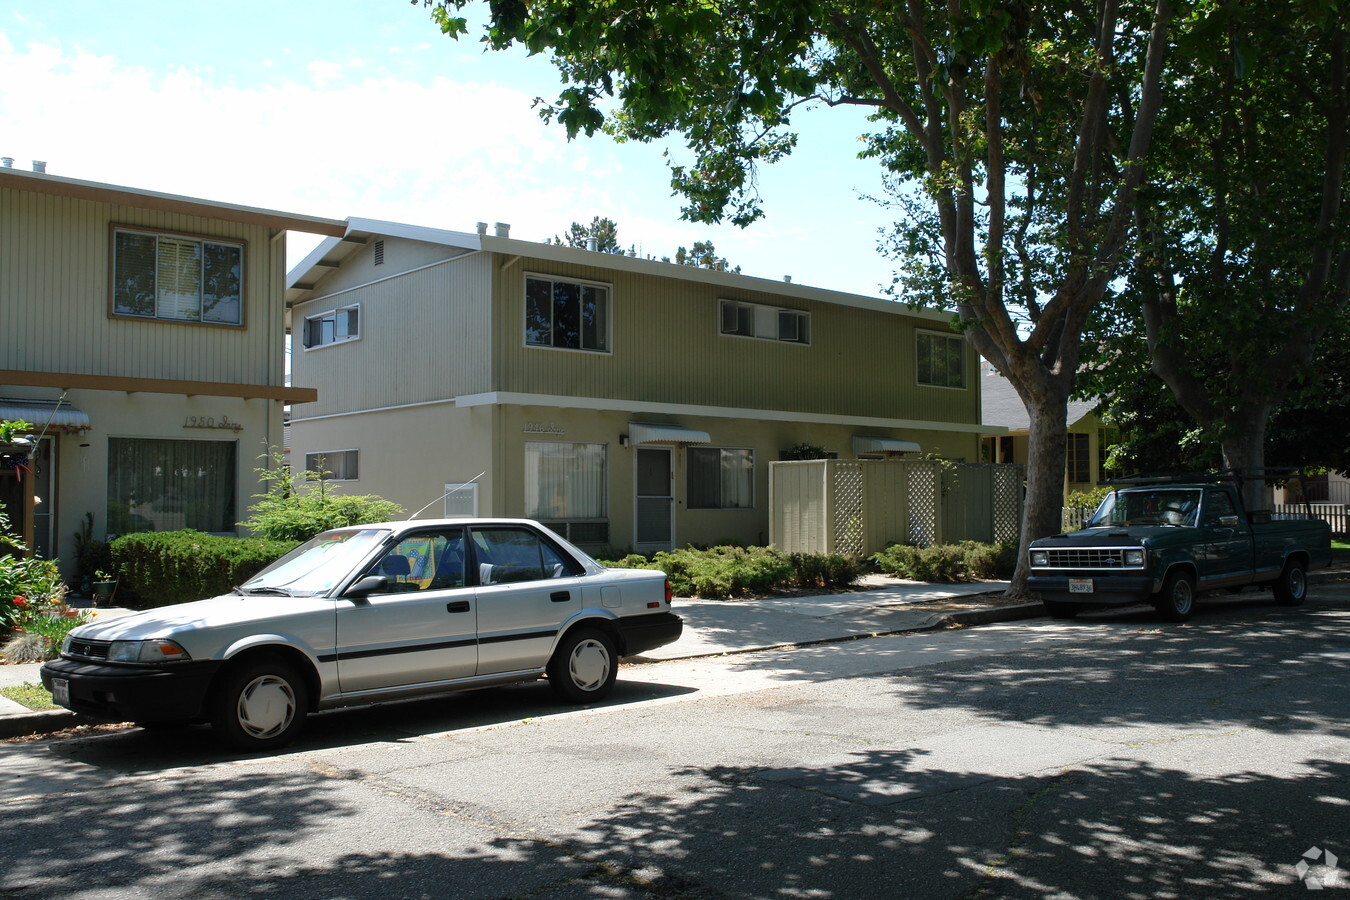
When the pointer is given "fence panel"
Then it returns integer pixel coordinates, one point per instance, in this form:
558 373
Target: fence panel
858 507
1337 515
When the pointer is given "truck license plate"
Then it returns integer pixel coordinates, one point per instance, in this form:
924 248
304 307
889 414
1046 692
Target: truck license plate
1080 585
61 691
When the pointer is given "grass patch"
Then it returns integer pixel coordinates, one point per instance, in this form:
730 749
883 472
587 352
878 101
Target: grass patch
33 696
1340 545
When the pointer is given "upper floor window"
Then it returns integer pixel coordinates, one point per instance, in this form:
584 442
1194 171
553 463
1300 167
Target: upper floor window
333 327
769 323
333 465
941 359
177 278
573 315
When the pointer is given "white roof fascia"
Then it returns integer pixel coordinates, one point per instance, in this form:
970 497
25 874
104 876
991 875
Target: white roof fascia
510 398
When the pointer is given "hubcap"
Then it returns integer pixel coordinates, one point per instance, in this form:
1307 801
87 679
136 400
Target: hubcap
266 707
589 665
1296 584
1181 597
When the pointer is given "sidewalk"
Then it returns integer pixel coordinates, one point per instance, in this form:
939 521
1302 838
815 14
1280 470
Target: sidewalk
716 627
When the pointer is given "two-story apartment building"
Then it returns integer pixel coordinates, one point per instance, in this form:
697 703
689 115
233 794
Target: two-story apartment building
143 335
626 402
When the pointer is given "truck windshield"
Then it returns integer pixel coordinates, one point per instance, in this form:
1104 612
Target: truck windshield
1160 506
317 565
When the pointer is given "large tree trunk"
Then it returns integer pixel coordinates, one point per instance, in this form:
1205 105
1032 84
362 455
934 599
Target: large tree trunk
1043 511
1244 450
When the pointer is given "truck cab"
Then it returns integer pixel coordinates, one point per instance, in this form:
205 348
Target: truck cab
1164 542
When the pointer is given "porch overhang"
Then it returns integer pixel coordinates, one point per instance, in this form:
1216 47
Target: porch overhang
866 444
639 434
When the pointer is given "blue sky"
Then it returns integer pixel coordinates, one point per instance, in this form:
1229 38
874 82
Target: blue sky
346 108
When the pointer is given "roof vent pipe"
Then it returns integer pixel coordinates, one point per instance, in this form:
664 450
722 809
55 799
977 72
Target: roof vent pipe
503 229
40 167
788 279
632 253
482 229
7 162
592 244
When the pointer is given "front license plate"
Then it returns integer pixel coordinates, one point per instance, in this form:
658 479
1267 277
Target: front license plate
61 691
1080 585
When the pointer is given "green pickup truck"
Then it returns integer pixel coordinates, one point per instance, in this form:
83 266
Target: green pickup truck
1164 542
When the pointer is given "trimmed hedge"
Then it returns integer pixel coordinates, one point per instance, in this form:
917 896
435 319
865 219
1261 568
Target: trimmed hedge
163 568
721 572
966 561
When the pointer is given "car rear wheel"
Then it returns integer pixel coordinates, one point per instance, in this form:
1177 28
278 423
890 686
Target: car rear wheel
260 705
584 666
1060 609
1292 586
1176 600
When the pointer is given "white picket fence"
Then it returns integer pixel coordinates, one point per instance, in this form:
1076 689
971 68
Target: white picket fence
1337 515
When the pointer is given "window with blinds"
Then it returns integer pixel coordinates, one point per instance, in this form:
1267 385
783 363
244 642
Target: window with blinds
177 278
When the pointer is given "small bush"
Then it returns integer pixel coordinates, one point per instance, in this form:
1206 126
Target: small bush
291 511
28 648
169 567
948 562
717 573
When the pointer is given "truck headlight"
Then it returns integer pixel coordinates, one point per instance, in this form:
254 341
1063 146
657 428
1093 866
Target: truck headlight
1134 557
159 651
1040 558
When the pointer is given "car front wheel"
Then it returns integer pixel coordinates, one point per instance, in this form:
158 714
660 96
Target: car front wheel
260 705
1176 601
584 666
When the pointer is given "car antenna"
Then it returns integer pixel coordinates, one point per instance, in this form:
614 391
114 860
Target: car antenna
455 489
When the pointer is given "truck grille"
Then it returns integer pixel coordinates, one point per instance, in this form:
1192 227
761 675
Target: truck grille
1088 558
86 649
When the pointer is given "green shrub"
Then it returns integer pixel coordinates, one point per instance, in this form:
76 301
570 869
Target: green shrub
716 573
28 585
291 512
989 561
169 567
948 562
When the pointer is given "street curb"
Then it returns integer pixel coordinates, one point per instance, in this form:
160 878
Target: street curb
42 721
995 614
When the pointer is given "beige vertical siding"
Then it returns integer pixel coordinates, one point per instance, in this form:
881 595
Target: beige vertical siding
54 297
424 338
666 347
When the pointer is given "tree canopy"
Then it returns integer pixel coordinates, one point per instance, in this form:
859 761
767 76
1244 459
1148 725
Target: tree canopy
603 231
1016 132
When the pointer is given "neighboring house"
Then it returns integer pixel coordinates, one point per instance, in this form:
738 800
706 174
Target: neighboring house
625 402
1004 411
143 336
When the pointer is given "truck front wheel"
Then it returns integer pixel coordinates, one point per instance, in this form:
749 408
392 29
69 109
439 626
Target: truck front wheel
1176 600
1292 585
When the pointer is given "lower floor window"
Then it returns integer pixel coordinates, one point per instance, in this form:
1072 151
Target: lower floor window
165 485
720 478
565 488
332 465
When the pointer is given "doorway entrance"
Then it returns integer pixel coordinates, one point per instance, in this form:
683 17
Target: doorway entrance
655 512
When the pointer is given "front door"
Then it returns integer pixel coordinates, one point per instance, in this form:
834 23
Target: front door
655 513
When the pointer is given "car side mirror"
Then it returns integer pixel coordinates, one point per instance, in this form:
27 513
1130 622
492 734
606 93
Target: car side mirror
1229 521
371 584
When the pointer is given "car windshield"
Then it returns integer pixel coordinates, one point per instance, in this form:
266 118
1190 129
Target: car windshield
317 565
1162 506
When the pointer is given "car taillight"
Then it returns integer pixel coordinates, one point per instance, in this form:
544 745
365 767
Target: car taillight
669 594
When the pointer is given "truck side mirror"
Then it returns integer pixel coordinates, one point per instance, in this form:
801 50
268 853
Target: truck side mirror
1229 521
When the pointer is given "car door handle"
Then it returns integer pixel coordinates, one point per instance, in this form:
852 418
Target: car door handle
560 596
457 606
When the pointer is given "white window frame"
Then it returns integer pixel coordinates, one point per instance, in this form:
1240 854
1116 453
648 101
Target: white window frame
762 322
920 334
159 302
608 329
721 499
331 314
355 457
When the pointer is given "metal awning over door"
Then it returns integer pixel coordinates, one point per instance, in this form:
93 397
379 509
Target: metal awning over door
639 434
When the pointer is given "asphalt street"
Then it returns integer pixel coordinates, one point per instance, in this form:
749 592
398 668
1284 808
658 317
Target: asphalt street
1109 756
